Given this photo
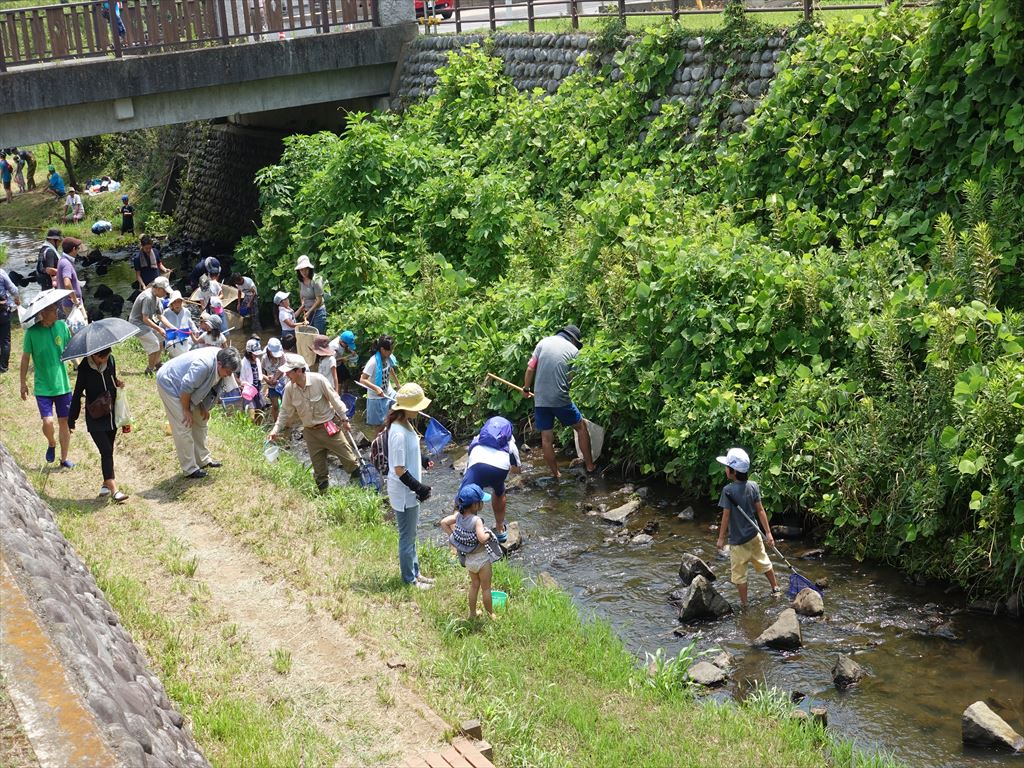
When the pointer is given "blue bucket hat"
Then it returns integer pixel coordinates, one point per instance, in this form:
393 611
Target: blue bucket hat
470 494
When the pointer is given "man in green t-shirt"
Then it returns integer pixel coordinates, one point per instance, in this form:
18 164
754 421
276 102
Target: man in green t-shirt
44 344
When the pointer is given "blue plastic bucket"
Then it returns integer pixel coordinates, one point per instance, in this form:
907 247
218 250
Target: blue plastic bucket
172 335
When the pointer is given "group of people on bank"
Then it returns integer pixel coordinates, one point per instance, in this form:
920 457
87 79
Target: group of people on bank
203 368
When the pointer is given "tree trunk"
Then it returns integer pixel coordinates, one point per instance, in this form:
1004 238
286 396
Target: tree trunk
65 159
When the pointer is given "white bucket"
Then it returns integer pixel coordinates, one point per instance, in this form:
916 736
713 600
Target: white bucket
270 451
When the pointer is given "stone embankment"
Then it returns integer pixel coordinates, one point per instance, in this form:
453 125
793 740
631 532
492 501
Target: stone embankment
544 61
107 673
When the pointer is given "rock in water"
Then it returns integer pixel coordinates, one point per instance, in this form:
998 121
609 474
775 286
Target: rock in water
984 728
686 514
784 634
846 672
515 537
619 514
706 674
702 601
692 567
808 603
641 539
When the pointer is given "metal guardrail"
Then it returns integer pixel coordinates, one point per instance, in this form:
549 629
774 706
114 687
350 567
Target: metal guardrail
460 15
92 29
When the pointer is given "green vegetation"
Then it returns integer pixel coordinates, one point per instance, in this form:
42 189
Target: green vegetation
837 288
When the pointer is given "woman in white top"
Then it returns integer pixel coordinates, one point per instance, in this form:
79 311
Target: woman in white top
377 377
176 317
73 208
405 467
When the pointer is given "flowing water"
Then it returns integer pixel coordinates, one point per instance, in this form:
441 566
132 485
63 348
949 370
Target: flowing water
928 658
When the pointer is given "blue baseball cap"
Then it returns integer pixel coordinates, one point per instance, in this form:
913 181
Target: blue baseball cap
470 494
349 338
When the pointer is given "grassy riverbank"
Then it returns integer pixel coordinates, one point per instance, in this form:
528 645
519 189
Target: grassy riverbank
551 688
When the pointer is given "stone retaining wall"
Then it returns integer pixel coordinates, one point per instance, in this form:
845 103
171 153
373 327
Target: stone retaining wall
128 700
219 200
535 60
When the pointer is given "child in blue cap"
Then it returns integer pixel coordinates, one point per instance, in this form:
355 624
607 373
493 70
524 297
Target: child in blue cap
466 532
344 346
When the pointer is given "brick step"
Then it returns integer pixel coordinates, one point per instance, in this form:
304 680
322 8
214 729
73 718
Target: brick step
461 753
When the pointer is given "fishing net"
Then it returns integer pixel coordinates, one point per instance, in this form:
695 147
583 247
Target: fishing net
797 583
350 401
436 437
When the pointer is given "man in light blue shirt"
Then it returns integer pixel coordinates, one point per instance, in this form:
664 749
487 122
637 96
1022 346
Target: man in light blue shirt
8 300
188 386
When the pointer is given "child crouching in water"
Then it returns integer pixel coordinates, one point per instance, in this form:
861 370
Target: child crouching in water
467 534
745 544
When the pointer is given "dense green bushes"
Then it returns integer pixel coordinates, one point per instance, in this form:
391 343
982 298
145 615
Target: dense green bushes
808 289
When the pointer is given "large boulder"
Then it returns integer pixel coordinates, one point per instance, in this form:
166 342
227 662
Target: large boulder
981 726
702 601
706 674
808 603
691 567
784 634
846 672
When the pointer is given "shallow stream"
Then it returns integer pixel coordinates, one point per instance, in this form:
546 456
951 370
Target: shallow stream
928 658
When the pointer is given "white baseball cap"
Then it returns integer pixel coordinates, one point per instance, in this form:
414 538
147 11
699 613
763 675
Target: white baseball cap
253 346
293 362
280 296
736 459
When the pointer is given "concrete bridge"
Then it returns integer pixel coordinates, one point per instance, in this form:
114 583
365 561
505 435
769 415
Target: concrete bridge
69 71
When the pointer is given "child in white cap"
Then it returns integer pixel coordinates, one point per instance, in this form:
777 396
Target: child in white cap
285 314
740 500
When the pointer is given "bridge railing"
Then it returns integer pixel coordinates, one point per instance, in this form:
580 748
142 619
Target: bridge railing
81 30
459 15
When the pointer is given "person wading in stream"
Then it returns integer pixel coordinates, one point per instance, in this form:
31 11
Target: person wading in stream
745 544
551 367
43 345
147 262
309 399
189 386
491 456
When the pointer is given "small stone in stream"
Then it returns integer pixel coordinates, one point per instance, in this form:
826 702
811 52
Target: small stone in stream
641 539
811 554
796 697
459 465
982 727
784 634
799 714
787 531
819 715
846 672
619 514
823 582
808 603
651 526
706 674
945 632
723 660
546 580
686 514
691 567
678 632
642 493
702 601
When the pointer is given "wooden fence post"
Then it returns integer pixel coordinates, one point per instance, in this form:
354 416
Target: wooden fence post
222 19
574 9
490 14
622 11
531 25
458 16
808 10
112 14
675 10
3 55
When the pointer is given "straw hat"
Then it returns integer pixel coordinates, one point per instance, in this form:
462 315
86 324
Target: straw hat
411 398
304 263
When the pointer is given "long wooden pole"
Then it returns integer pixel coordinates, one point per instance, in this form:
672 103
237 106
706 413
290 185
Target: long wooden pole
506 382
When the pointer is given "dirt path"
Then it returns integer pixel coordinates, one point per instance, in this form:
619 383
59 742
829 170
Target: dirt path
327 663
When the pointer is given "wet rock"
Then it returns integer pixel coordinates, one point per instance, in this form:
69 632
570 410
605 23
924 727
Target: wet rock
811 554
823 582
846 672
989 607
619 514
723 660
944 631
982 727
691 567
702 601
796 697
787 531
706 674
808 603
784 634
515 537
819 715
686 514
651 526
641 539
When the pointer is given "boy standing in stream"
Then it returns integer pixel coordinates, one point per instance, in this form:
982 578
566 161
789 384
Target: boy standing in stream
740 499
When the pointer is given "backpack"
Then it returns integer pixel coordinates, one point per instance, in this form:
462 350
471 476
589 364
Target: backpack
379 452
41 259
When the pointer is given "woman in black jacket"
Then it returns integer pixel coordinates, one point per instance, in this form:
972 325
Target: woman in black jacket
97 380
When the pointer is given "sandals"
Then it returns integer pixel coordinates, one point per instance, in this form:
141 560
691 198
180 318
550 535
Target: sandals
119 497
502 536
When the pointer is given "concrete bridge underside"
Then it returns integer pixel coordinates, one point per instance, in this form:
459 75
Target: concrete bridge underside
92 97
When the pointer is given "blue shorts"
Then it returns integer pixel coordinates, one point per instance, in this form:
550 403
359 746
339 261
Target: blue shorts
544 418
46 405
377 409
486 476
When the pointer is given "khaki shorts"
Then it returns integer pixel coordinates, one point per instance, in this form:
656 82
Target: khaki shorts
751 552
149 341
